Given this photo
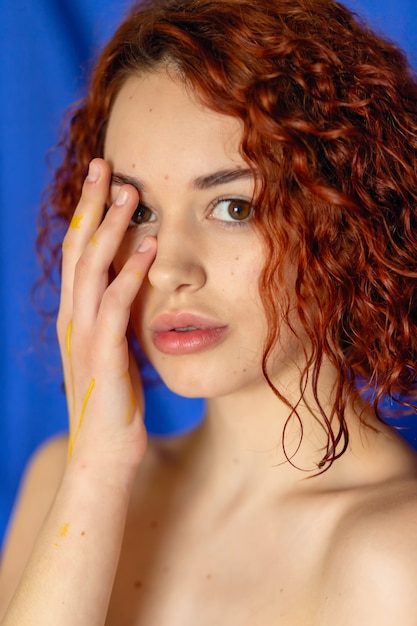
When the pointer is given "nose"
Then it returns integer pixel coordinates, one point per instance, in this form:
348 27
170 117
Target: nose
178 264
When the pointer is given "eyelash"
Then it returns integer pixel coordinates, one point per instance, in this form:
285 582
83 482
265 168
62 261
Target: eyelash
232 223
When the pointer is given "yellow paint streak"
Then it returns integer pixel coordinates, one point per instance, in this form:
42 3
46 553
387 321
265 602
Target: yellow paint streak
94 241
76 221
73 438
116 338
68 339
138 275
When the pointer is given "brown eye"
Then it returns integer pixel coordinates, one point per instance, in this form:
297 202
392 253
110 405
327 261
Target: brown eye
232 210
142 215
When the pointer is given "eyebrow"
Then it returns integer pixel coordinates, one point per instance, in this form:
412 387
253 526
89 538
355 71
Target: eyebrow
221 177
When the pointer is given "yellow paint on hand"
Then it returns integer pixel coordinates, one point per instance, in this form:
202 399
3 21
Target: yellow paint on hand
73 438
76 221
116 338
94 241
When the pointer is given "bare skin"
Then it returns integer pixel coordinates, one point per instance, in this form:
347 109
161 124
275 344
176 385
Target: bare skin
213 527
316 556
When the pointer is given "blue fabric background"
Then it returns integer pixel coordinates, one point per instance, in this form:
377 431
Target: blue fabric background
46 47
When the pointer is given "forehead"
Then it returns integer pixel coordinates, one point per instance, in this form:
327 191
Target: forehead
157 119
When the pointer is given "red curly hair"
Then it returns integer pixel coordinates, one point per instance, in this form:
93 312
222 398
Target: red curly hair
329 111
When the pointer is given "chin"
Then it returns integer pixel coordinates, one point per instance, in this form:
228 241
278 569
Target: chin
191 388
209 381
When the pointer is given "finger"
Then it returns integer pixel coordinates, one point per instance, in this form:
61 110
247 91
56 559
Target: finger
110 352
87 216
91 275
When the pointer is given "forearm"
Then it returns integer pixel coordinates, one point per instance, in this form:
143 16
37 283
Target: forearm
69 577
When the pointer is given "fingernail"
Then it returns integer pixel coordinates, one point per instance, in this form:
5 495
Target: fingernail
121 197
145 245
93 173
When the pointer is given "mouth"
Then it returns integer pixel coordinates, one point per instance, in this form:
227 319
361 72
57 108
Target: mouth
183 322
186 333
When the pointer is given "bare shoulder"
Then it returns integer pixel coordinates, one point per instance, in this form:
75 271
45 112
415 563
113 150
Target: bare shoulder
372 565
37 491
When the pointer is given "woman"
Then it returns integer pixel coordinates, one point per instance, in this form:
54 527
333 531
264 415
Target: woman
249 215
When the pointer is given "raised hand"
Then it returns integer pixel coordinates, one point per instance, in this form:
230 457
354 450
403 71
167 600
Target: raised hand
105 406
84 529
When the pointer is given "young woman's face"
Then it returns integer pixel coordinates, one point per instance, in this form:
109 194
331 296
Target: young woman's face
199 317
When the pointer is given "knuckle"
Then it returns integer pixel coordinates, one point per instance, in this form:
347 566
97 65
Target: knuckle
82 266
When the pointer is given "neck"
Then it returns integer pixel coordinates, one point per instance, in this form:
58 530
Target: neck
249 438
244 442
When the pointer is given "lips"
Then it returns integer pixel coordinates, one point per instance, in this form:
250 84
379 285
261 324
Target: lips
186 333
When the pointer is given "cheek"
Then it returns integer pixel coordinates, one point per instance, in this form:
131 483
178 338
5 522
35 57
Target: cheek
249 276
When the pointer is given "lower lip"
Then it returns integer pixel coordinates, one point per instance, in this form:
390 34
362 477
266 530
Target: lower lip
189 341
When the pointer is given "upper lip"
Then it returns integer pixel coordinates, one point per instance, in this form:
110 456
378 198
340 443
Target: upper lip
165 322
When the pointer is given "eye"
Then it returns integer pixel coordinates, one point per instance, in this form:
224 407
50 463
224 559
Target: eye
142 215
232 210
